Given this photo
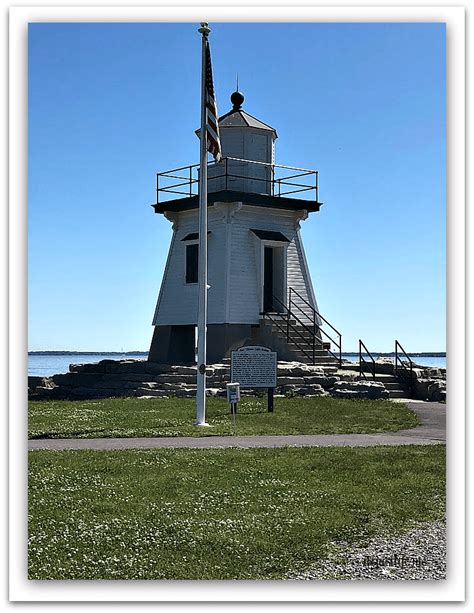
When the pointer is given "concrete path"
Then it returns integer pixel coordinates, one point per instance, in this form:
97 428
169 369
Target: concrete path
431 431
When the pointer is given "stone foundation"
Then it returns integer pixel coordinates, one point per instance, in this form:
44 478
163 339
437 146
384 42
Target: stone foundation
142 378
427 383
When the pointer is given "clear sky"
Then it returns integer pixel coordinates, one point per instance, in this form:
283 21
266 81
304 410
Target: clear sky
112 104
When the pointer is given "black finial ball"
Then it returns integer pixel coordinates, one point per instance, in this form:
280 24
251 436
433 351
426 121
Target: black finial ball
237 100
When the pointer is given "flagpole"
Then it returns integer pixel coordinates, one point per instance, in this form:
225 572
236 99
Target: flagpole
202 260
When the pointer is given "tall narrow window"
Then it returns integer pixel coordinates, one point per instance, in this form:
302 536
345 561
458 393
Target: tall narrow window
192 263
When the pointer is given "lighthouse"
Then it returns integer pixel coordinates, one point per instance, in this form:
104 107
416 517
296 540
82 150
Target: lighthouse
259 284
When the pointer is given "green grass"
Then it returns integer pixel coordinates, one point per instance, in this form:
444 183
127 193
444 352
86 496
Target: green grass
130 417
220 514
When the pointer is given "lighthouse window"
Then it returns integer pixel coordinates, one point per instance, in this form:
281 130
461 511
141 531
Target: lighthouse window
192 263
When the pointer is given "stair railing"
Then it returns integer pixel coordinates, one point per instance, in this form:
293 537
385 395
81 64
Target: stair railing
316 317
289 326
400 365
286 326
362 360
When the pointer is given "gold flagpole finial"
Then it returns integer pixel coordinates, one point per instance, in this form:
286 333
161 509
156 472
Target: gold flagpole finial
204 29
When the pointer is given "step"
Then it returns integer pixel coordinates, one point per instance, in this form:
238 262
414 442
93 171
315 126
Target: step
398 394
386 378
395 386
301 348
308 359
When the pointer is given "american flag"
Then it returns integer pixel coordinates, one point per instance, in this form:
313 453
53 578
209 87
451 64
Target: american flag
212 125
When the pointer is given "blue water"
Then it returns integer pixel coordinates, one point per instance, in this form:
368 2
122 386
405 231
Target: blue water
434 362
46 365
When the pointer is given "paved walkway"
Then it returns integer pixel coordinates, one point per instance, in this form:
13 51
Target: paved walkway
431 431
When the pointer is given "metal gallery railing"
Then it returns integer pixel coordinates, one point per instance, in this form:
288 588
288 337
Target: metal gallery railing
277 180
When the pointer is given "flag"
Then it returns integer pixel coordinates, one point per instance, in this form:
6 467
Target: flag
212 125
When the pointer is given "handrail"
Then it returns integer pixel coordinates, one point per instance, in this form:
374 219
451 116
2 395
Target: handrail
316 314
277 186
290 314
306 170
292 290
313 340
402 363
313 330
288 325
362 359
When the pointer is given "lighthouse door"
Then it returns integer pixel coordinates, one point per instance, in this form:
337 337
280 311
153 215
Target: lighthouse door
268 279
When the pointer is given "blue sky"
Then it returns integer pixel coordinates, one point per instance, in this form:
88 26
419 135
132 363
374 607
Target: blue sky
112 104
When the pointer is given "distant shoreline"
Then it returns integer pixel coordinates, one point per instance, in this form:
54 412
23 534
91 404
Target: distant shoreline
87 352
391 354
432 354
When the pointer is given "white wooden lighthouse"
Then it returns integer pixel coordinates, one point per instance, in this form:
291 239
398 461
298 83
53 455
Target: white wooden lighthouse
260 290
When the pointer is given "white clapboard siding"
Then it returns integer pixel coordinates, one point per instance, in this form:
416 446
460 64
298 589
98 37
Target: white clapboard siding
245 290
234 274
178 300
298 277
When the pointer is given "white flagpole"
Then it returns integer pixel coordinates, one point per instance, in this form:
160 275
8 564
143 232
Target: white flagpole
202 261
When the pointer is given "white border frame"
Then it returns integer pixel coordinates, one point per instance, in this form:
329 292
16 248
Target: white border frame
23 590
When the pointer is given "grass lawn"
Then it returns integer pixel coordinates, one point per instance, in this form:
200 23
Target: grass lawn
220 513
129 417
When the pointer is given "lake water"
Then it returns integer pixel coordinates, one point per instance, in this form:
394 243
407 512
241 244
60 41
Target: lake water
47 365
433 361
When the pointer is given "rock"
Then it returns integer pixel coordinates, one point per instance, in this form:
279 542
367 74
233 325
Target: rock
290 381
35 383
311 390
437 391
185 393
383 366
172 386
126 366
150 385
430 389
117 385
133 377
151 393
373 390
95 367
90 392
49 392
220 371
433 373
175 379
326 382
297 369
155 368
184 370
77 379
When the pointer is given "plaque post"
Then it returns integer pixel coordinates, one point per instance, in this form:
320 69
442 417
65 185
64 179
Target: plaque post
270 399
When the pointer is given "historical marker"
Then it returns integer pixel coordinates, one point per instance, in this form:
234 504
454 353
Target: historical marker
254 367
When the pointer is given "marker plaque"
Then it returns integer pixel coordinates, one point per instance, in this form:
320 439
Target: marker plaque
254 366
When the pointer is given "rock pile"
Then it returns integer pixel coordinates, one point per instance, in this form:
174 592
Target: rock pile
373 390
426 383
141 378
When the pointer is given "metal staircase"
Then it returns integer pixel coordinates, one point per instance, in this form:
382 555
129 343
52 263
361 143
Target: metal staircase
309 337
